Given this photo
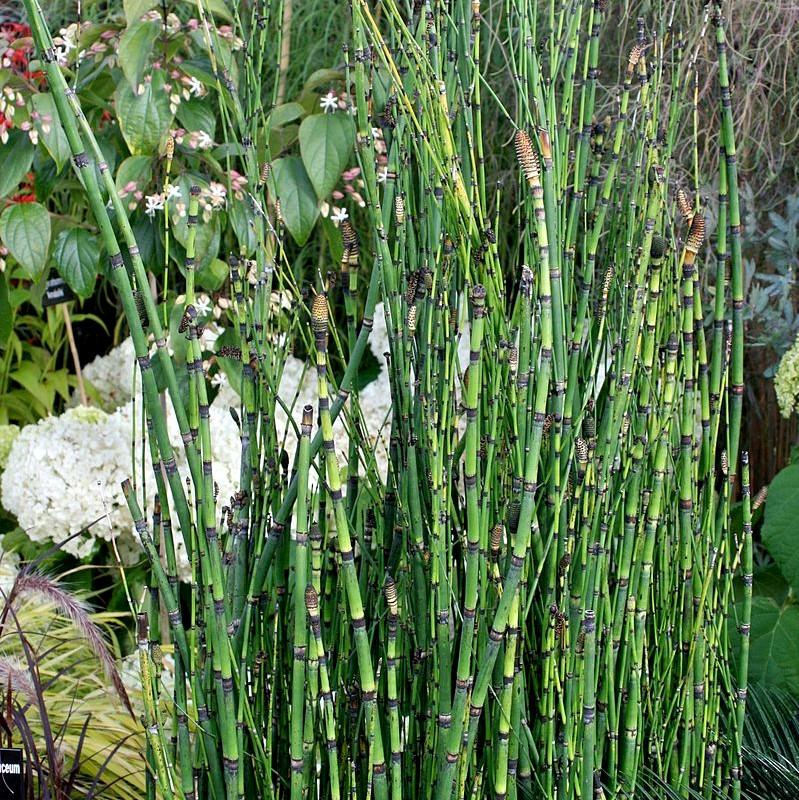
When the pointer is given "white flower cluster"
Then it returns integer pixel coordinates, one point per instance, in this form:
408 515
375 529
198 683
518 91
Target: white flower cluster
786 381
66 472
112 376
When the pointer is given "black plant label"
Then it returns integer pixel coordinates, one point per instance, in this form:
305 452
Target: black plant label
56 291
12 775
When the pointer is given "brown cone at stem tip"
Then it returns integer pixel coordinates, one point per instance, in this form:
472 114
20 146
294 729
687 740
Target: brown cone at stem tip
636 52
527 156
169 151
319 315
266 169
390 592
228 351
696 235
527 280
399 209
760 498
478 300
413 282
189 316
684 205
658 247
411 321
141 309
496 537
348 235
607 280
311 601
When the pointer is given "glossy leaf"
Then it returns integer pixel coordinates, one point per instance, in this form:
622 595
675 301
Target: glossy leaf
326 142
134 169
51 132
197 115
283 114
297 198
25 231
143 118
77 255
774 644
16 156
135 47
780 532
241 219
134 9
212 276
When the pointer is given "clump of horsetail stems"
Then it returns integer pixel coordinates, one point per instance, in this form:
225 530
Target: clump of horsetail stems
535 598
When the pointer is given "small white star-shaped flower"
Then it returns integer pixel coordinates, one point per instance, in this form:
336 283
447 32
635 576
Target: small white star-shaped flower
329 102
339 215
153 203
203 304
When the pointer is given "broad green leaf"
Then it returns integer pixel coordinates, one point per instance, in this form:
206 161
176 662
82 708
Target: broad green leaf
197 115
326 142
780 531
135 47
281 139
200 67
25 231
143 118
5 311
282 115
148 235
321 77
29 376
51 132
45 174
241 220
135 9
134 169
774 643
16 156
213 275
77 255
297 198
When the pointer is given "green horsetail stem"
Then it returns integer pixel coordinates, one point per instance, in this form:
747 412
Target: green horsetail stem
552 526
319 320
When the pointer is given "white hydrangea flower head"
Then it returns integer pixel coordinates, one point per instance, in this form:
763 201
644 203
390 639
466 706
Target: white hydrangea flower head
64 473
113 376
786 381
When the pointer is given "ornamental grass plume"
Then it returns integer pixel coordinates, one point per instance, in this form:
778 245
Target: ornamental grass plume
74 721
536 597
